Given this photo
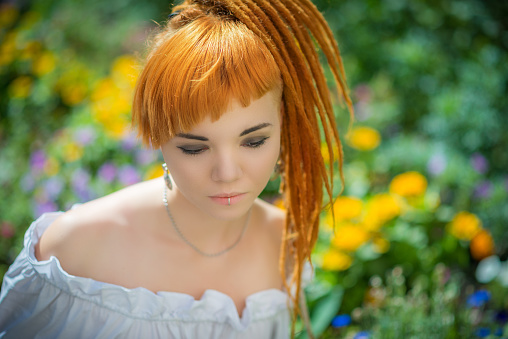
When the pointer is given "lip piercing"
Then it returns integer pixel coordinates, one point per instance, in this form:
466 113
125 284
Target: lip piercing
229 201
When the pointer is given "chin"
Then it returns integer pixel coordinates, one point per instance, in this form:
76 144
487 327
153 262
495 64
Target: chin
230 212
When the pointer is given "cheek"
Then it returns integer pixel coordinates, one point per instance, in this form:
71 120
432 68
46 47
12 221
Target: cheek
182 170
262 166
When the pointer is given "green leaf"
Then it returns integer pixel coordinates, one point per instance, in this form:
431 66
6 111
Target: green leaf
324 311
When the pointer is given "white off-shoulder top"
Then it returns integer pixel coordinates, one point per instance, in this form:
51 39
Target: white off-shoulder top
39 299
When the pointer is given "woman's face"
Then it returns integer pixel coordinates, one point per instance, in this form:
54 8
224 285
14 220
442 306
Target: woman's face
232 157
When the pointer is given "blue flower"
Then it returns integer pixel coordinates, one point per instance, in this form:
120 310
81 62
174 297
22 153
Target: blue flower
341 320
362 335
478 298
502 316
482 332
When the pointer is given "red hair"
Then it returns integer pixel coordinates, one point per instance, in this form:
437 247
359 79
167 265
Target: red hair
195 71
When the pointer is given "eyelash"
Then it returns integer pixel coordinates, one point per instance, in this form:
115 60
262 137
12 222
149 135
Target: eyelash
254 144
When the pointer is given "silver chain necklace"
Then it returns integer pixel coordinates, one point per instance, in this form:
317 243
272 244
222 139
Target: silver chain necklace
165 201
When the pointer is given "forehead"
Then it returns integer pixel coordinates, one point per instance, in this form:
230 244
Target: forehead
238 118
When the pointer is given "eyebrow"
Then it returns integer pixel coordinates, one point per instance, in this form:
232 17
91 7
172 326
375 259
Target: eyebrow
247 131
255 128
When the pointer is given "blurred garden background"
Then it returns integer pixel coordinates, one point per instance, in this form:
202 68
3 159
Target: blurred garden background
420 246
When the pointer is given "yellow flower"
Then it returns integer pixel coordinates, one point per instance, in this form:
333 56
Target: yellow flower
326 155
482 245
7 53
51 167
8 48
409 184
117 128
334 260
125 69
381 245
350 237
44 63
104 89
380 209
364 138
31 50
464 225
72 152
8 15
21 87
347 208
73 94
155 171
73 84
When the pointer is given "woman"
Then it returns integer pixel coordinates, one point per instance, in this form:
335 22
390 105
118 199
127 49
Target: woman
231 89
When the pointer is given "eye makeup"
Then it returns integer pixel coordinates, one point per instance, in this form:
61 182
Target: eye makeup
193 150
198 149
255 142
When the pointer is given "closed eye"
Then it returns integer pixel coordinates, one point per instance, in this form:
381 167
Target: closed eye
192 151
255 143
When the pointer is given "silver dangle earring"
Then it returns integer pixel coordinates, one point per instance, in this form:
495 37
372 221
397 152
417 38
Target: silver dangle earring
167 178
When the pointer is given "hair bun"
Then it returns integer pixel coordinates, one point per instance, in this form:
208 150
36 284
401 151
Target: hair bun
191 10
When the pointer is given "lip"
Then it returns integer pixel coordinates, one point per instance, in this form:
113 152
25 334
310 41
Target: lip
222 199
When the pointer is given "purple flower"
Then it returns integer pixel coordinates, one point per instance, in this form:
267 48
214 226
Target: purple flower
436 164
53 187
107 172
44 207
361 335
128 175
145 156
85 195
85 136
80 179
27 183
129 142
478 298
80 182
479 163
483 190
37 161
341 320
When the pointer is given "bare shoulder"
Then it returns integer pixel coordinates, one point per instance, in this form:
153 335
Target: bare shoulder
80 235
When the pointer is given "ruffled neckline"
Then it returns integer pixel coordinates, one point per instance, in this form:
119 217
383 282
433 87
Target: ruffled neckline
142 303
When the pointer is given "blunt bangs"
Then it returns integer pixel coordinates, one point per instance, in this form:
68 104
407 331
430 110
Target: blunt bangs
196 72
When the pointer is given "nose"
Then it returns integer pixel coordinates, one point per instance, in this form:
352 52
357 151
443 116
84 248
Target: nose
227 167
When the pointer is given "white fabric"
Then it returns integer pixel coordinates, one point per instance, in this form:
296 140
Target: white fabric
40 300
